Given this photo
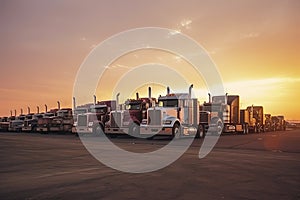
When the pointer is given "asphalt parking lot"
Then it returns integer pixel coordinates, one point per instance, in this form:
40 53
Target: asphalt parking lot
254 166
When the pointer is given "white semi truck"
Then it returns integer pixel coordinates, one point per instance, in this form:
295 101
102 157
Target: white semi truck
176 115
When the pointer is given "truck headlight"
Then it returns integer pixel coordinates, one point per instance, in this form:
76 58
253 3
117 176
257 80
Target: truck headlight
90 123
168 122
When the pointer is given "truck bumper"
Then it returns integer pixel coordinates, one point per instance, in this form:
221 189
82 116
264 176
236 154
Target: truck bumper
42 129
55 129
84 129
228 128
26 129
123 130
155 130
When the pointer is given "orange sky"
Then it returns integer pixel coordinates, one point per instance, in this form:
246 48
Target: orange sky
255 45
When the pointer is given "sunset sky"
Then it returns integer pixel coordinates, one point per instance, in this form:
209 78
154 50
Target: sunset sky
254 43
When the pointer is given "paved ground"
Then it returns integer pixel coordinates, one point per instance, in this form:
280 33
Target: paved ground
255 166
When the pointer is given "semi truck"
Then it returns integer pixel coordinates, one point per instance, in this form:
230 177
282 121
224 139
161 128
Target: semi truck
4 124
224 113
95 120
279 123
78 110
128 120
253 116
268 123
221 114
176 115
65 117
43 124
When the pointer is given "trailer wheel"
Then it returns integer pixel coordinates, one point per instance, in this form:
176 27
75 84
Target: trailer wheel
176 132
134 129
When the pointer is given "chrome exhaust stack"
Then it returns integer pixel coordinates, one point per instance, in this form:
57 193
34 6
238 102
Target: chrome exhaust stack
190 91
95 99
58 105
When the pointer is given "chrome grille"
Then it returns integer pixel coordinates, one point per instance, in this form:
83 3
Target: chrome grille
115 119
154 117
82 120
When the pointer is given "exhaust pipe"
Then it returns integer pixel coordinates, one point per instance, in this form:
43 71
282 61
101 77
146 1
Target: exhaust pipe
58 105
137 96
15 112
226 98
168 90
149 92
209 98
95 99
117 101
38 109
11 113
190 91
74 103
21 111
28 109
46 108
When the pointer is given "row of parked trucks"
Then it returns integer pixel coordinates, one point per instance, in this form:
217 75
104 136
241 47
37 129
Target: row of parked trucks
175 114
55 120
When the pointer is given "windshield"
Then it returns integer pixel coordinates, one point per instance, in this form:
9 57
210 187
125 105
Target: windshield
80 111
218 99
99 110
133 106
168 103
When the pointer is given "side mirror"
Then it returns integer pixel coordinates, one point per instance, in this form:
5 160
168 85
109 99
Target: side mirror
179 109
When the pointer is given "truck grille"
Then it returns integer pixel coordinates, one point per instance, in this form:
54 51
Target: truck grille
116 119
204 117
154 117
82 120
226 117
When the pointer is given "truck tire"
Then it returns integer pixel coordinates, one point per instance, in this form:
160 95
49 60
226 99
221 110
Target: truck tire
258 129
200 132
245 129
134 129
255 129
176 132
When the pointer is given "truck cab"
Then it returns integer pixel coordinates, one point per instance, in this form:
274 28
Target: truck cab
65 116
44 122
95 120
128 120
30 123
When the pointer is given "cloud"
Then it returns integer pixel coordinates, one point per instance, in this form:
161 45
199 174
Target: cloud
93 46
249 35
186 23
